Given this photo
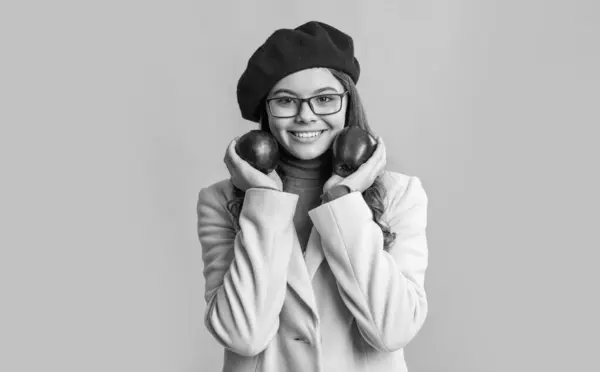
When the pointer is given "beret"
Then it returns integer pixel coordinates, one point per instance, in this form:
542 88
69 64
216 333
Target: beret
313 44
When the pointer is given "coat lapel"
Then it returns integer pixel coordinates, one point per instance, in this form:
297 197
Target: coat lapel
301 269
314 253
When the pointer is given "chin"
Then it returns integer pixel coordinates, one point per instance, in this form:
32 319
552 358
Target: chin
306 154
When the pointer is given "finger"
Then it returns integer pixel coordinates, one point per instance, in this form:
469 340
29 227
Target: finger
383 152
232 175
230 167
228 149
332 181
230 161
233 155
380 150
377 153
376 163
382 161
275 177
229 153
336 178
374 159
381 168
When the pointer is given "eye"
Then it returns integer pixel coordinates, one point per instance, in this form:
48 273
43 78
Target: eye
326 98
284 101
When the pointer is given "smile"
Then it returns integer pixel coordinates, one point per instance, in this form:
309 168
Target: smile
307 134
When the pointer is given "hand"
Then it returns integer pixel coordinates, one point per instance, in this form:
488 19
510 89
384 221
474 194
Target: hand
245 176
365 175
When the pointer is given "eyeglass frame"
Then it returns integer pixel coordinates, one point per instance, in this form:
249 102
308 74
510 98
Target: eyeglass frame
307 100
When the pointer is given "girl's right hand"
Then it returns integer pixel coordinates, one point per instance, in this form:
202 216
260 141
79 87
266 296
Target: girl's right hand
245 176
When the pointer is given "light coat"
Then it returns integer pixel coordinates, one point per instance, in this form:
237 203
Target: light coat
346 305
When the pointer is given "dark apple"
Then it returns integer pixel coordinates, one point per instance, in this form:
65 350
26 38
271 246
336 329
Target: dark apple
351 148
260 149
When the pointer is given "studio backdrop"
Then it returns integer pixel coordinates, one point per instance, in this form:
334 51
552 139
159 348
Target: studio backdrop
115 113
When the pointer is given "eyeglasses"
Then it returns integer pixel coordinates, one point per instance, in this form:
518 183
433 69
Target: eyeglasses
323 104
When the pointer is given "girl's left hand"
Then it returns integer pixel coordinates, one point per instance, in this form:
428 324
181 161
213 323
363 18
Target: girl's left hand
365 175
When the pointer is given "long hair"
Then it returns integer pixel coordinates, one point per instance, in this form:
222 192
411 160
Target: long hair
374 196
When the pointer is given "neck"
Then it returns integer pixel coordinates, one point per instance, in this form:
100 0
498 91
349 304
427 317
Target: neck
318 169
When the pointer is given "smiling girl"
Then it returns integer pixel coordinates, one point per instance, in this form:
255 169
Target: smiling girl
309 271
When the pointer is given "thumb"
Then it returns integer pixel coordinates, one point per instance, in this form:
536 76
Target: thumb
275 177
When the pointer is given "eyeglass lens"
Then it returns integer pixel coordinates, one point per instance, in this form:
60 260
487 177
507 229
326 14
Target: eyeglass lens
321 105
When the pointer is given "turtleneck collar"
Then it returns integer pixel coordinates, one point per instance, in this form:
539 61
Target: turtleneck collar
313 172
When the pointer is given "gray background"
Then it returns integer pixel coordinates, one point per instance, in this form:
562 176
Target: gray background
115 113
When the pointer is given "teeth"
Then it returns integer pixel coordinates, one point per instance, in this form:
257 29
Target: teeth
307 134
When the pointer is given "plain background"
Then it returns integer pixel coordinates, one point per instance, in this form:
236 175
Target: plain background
115 113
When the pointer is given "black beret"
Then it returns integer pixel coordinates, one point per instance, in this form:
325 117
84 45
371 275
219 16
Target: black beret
313 44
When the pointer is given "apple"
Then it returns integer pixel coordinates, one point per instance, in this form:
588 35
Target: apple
260 149
351 148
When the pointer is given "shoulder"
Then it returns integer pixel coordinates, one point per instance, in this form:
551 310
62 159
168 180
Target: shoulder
403 187
217 193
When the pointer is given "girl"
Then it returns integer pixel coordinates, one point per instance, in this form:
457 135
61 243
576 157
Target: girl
308 271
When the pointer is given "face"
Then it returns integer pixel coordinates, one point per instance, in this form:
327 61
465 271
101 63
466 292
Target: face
297 134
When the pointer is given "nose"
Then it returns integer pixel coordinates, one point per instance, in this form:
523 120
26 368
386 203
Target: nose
305 113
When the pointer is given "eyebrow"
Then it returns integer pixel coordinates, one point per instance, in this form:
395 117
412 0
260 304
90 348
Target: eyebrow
320 90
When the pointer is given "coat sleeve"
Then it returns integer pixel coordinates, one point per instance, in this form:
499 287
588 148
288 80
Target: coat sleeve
384 290
245 272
